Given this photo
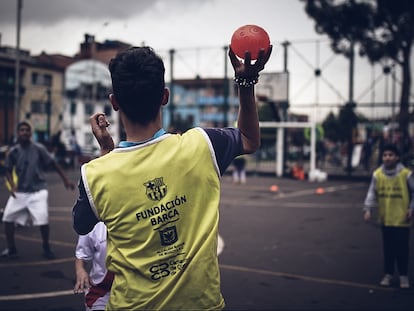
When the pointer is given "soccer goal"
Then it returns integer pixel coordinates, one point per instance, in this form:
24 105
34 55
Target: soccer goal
280 131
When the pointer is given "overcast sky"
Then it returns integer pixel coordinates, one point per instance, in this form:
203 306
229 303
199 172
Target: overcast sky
58 26
196 29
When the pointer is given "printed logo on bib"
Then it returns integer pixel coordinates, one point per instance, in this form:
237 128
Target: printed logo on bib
168 236
155 189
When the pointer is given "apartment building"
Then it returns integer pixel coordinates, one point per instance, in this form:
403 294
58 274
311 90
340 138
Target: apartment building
59 93
41 95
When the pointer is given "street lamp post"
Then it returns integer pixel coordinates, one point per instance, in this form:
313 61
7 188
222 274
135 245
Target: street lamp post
17 69
226 91
349 107
48 112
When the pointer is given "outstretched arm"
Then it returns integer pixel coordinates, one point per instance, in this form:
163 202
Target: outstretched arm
246 76
68 184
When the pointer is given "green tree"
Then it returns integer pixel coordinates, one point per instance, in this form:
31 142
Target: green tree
383 30
332 128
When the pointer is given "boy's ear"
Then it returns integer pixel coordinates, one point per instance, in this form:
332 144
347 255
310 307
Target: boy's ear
113 101
165 97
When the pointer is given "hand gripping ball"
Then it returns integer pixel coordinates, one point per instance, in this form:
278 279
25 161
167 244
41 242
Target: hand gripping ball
250 38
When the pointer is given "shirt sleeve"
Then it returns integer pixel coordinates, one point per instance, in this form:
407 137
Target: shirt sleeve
227 145
45 156
371 197
84 219
84 248
10 159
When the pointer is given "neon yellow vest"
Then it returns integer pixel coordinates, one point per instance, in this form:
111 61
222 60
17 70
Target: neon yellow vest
160 202
393 198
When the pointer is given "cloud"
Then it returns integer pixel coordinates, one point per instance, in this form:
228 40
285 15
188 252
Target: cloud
50 12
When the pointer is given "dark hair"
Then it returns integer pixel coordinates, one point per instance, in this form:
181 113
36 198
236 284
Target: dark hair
391 147
20 124
138 83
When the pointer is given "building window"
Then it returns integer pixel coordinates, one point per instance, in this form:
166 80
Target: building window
89 142
88 109
38 106
41 79
72 108
108 110
47 80
35 78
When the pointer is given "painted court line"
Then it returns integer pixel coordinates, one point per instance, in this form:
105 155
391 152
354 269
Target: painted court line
305 278
37 295
54 242
16 263
312 191
220 247
317 205
43 262
227 267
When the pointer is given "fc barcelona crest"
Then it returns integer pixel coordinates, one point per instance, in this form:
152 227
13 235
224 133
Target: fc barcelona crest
168 236
156 189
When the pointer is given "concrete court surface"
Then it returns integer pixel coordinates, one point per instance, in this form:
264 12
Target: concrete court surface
287 250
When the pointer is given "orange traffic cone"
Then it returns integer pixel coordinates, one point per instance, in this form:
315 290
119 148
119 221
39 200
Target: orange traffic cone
274 188
320 190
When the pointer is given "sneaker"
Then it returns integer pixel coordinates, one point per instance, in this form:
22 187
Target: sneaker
404 283
48 254
8 254
386 280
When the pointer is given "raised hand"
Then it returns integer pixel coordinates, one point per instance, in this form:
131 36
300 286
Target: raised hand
247 69
99 126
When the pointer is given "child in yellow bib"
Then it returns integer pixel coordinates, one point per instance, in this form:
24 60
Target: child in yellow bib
392 190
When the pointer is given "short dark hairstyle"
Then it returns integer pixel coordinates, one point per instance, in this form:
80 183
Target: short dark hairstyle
391 147
138 83
20 124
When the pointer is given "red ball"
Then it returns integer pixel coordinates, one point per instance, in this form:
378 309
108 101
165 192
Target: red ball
250 38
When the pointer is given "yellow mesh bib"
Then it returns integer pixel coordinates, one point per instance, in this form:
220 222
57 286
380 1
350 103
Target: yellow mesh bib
393 198
159 202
